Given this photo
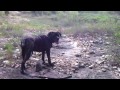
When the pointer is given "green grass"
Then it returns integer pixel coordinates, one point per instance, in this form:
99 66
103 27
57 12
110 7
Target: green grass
72 21
9 50
9 47
117 36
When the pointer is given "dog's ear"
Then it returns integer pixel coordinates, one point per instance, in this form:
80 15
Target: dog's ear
50 34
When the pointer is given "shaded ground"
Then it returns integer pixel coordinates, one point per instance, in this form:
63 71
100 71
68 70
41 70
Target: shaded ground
83 56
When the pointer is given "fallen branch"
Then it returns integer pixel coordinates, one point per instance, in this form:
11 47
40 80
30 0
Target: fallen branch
54 78
44 77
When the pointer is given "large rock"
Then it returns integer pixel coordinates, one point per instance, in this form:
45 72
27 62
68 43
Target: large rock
38 66
6 62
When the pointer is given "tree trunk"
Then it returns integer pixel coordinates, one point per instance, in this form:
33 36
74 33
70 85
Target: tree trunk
6 13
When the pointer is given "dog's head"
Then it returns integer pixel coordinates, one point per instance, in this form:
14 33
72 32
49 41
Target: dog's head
59 34
54 36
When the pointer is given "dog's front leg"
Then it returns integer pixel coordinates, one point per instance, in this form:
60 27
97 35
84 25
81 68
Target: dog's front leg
43 56
49 59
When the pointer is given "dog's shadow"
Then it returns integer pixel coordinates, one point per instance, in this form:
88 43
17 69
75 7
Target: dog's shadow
40 68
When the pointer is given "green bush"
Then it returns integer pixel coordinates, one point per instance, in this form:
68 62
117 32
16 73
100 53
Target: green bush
71 21
9 50
11 30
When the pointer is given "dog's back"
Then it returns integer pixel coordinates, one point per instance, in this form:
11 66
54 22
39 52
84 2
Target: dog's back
42 43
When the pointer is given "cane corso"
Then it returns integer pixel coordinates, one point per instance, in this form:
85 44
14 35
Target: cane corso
40 43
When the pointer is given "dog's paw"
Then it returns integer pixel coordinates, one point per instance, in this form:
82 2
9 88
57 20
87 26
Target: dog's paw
52 64
24 73
44 63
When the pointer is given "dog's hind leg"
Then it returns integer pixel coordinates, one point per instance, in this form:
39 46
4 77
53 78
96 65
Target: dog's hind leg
23 67
26 57
23 52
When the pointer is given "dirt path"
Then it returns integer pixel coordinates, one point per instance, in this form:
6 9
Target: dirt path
85 57
82 56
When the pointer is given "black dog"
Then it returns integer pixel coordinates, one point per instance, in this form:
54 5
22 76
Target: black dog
41 43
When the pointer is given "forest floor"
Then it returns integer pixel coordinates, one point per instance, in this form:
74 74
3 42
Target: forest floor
83 55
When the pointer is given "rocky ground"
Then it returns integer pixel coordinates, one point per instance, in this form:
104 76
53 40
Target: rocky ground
81 56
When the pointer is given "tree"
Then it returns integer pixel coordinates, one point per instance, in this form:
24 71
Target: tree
6 13
37 12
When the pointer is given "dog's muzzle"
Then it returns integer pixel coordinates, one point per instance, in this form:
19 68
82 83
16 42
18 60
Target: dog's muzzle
57 40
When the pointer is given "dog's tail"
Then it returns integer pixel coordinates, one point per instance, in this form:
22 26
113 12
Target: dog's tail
22 45
27 45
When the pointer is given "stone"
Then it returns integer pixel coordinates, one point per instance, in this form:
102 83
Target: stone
104 70
78 55
91 66
1 49
114 67
15 56
118 69
36 59
81 65
107 43
17 50
92 52
99 61
17 66
98 42
6 62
